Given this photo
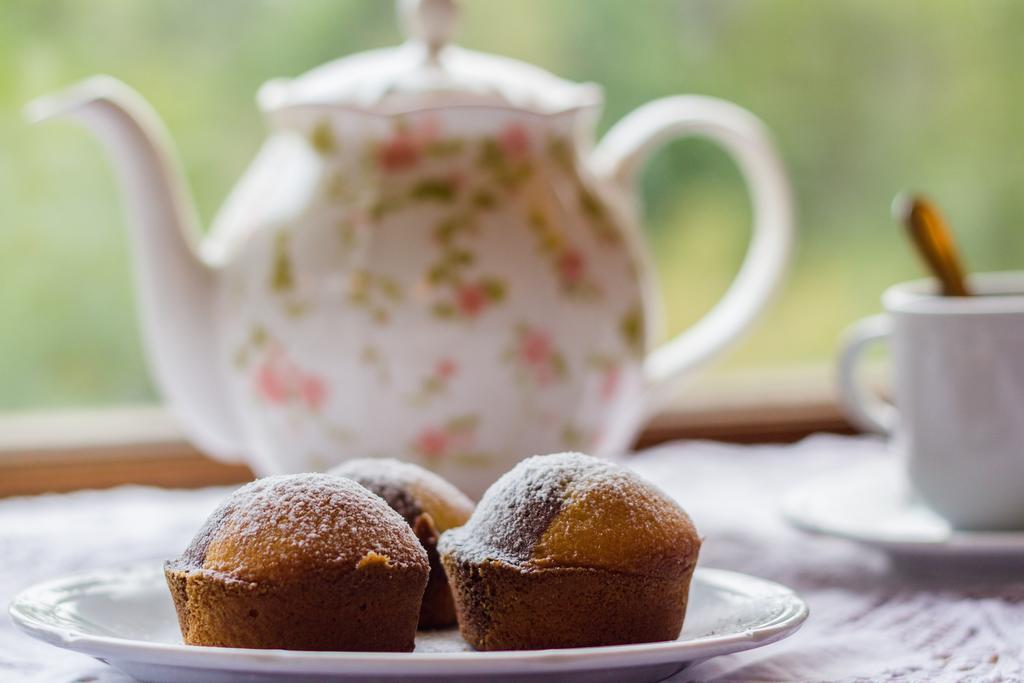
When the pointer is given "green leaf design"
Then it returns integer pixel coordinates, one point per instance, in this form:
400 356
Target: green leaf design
347 233
631 328
447 229
552 242
340 435
460 257
450 228
589 204
359 288
322 138
390 288
462 423
370 355
445 148
477 459
572 437
559 365
384 206
337 187
484 199
561 152
600 224
258 336
444 310
494 288
281 278
491 157
438 274
434 189
512 179
433 384
537 219
296 309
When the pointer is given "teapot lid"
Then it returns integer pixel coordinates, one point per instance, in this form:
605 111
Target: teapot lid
428 72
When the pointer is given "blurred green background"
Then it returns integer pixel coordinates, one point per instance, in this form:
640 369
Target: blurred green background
865 97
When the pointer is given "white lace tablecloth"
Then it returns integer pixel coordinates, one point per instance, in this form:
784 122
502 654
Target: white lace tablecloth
868 622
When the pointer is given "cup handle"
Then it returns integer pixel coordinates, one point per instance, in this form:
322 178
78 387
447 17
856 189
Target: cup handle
621 154
864 408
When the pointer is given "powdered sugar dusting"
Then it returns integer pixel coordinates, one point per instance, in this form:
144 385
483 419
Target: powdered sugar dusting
409 489
573 496
517 508
280 527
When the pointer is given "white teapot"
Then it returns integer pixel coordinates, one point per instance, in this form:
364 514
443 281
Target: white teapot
428 259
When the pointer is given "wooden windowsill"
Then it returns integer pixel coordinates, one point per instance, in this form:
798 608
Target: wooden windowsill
64 451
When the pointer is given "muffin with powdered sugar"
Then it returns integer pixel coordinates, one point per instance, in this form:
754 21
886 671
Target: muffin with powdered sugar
301 562
570 551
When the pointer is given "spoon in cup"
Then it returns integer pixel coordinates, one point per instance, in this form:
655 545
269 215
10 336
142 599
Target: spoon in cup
933 240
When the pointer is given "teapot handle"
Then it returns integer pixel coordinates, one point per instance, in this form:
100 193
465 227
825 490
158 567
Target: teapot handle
621 154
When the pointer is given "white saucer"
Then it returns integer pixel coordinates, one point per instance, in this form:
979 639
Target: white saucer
125 617
871 504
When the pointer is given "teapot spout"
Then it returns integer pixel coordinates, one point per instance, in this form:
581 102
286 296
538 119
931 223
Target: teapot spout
175 286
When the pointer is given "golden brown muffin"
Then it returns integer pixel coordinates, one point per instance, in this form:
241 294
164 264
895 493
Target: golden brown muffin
301 562
570 551
430 505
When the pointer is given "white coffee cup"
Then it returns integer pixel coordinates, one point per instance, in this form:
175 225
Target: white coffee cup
958 387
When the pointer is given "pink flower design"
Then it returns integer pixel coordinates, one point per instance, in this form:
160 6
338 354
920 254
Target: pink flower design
406 145
274 376
446 368
610 381
270 384
313 392
431 443
279 381
535 347
456 438
536 356
537 353
514 140
471 299
398 153
571 266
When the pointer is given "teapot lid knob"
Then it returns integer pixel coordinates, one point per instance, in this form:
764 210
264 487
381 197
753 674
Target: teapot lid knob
431 21
428 71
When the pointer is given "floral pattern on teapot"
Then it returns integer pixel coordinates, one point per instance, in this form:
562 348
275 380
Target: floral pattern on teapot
443 289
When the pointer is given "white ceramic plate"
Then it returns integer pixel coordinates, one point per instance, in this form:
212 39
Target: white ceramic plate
871 504
125 617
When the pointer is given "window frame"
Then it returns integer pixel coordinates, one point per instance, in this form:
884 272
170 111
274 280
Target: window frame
57 451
